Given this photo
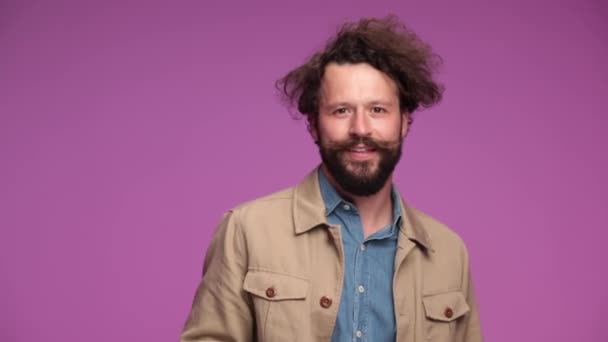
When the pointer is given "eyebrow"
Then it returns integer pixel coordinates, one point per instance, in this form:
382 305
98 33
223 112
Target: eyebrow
383 103
348 104
338 104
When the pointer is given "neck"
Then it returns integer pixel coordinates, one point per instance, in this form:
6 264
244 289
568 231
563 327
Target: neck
376 210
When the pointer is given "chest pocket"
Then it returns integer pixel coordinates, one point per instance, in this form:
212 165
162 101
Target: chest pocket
280 304
443 311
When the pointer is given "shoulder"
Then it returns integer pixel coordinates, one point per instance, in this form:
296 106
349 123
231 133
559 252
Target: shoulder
262 213
272 201
446 266
443 239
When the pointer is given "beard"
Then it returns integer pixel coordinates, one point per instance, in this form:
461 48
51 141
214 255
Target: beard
360 177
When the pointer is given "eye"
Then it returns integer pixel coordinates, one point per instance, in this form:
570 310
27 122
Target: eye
378 110
342 110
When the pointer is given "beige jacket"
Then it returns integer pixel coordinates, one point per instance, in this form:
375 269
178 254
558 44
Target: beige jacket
274 271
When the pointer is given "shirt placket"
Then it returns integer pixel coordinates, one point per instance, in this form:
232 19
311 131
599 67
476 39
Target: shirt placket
360 278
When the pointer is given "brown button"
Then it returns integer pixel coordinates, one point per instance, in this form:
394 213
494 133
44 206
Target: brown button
326 302
270 292
448 312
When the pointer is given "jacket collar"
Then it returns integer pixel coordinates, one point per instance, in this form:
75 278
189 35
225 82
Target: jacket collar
309 212
412 228
308 206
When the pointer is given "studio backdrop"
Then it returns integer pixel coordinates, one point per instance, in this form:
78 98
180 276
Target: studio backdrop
127 128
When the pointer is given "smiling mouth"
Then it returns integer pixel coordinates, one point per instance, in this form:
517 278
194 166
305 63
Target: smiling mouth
361 149
361 153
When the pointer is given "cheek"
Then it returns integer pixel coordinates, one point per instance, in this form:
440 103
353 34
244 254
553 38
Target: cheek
389 130
332 131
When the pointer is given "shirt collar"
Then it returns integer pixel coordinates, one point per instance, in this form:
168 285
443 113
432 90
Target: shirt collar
332 199
309 212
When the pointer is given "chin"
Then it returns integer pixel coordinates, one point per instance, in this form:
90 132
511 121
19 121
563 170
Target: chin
363 174
367 167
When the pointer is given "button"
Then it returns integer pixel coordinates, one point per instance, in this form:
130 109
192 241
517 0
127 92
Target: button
270 292
326 302
362 248
359 333
361 289
448 312
346 207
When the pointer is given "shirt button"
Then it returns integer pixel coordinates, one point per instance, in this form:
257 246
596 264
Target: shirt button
346 207
361 289
359 333
270 292
325 302
362 247
449 313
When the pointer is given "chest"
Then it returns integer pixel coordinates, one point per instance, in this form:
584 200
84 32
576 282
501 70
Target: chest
295 283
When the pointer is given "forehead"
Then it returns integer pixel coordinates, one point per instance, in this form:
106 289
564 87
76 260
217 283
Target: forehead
356 83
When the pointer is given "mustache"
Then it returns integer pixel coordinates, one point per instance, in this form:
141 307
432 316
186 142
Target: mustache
366 141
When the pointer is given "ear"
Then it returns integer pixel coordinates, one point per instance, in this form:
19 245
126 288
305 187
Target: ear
406 121
312 127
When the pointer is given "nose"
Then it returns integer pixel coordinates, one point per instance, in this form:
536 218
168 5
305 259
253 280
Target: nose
359 124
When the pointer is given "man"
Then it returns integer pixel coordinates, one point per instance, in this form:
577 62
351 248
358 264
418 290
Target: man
340 256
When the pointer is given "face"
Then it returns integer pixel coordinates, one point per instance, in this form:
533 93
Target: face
360 127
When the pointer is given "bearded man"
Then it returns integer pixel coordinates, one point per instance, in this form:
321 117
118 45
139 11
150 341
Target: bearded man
340 256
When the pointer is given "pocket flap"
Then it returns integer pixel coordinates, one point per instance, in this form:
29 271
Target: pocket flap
446 306
274 286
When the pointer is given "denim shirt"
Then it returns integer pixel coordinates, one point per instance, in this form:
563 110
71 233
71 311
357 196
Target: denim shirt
366 311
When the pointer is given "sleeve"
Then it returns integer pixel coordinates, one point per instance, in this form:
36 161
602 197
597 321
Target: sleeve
221 310
469 328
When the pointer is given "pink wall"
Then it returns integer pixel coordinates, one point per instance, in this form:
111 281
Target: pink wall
127 128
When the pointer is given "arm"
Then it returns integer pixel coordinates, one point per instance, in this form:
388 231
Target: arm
469 329
221 310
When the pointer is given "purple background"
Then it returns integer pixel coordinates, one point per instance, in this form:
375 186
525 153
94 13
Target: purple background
127 128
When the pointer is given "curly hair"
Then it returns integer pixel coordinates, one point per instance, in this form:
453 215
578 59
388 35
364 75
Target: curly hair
384 43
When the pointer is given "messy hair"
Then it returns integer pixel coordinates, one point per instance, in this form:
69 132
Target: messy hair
384 43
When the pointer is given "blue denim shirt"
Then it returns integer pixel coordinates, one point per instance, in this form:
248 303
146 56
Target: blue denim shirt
366 310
